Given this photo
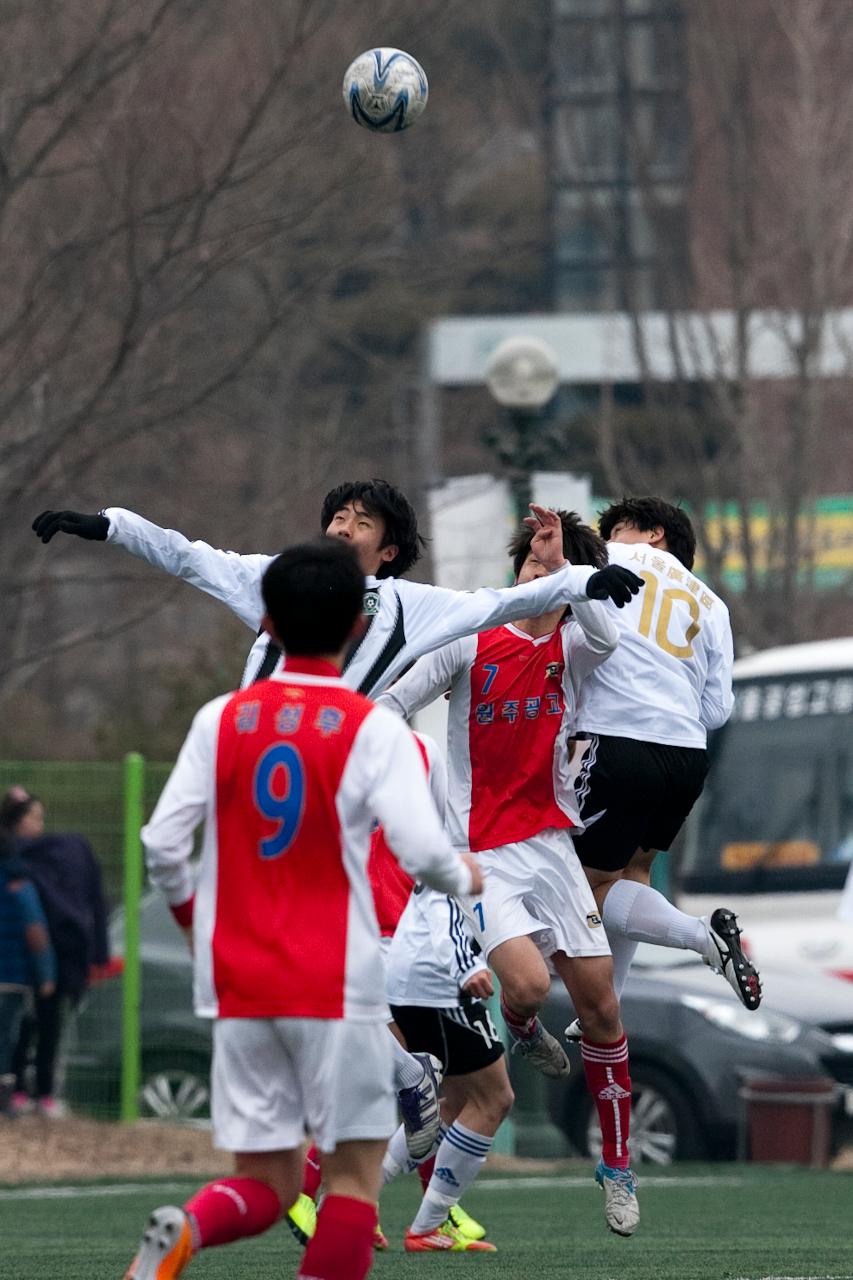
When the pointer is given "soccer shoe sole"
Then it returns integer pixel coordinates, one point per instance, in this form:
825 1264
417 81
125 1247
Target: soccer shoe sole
465 1224
738 970
442 1241
422 1137
166 1246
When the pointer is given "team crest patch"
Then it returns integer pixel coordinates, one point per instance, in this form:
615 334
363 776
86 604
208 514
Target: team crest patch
553 669
371 604
593 919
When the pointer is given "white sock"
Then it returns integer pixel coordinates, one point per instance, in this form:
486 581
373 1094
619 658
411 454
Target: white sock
458 1161
397 1159
408 1071
638 912
623 951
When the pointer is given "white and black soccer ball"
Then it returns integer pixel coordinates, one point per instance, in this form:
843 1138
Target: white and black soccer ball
385 90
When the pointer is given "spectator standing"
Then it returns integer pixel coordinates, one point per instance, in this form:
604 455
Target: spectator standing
66 874
27 959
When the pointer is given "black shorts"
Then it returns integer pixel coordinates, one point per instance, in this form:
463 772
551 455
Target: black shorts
464 1039
633 795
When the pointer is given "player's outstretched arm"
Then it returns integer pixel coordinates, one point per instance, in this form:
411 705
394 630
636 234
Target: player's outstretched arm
234 579
428 679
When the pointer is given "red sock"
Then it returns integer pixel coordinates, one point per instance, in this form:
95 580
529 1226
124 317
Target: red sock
312 1174
342 1246
521 1025
425 1171
231 1209
607 1078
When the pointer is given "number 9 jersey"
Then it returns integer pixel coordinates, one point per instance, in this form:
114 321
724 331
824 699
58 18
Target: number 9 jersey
670 677
288 777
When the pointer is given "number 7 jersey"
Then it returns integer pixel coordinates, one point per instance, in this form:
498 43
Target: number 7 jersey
670 678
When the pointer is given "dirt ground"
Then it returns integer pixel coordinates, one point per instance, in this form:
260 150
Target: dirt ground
33 1149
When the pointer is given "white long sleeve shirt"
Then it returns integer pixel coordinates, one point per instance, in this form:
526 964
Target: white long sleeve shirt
431 956
406 619
670 677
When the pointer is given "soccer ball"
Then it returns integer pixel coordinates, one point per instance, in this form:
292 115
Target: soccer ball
386 90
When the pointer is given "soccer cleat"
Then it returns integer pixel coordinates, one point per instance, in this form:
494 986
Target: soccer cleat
302 1218
166 1247
574 1031
725 955
380 1240
464 1223
544 1052
621 1207
444 1239
419 1108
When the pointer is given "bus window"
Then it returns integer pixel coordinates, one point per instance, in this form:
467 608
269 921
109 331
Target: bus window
777 811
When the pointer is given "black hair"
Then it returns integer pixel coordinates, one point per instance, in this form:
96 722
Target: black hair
394 509
313 594
15 805
581 544
646 514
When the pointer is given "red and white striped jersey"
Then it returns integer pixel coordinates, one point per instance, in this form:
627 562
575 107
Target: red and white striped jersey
288 776
512 700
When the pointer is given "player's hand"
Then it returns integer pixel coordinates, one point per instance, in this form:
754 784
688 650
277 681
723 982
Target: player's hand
614 583
547 543
479 986
47 989
94 528
476 874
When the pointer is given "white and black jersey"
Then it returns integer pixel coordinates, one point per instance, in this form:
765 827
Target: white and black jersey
669 679
432 953
405 619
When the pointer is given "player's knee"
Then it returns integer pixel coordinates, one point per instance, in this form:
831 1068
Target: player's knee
526 992
600 1017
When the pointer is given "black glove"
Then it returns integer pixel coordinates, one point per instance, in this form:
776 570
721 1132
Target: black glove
95 528
615 583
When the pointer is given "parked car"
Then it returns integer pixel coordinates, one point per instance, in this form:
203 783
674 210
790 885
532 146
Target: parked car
692 1043
772 835
176 1046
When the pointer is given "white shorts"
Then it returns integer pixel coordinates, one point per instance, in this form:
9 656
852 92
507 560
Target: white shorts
537 888
275 1078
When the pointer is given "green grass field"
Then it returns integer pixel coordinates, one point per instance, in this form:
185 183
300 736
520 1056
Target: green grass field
729 1222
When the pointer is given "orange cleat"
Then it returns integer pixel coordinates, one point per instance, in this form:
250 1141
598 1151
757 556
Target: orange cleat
166 1248
446 1239
380 1240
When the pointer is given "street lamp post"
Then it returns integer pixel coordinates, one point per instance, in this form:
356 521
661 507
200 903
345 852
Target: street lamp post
522 376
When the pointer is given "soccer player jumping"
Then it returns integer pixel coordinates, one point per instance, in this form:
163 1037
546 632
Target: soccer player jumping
513 691
287 777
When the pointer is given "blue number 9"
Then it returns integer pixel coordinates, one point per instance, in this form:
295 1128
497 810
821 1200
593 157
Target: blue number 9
287 811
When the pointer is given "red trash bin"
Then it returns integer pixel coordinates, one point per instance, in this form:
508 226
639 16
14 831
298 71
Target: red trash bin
788 1119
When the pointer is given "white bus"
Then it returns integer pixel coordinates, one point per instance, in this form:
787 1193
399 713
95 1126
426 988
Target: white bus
772 836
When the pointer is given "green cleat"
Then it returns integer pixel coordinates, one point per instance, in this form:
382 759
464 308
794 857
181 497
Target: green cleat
302 1218
464 1223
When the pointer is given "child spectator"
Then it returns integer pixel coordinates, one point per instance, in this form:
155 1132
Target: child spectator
27 959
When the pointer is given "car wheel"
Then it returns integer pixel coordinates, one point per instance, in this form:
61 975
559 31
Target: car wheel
663 1126
176 1090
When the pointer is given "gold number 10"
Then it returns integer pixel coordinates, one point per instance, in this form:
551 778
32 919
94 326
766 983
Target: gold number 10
667 599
